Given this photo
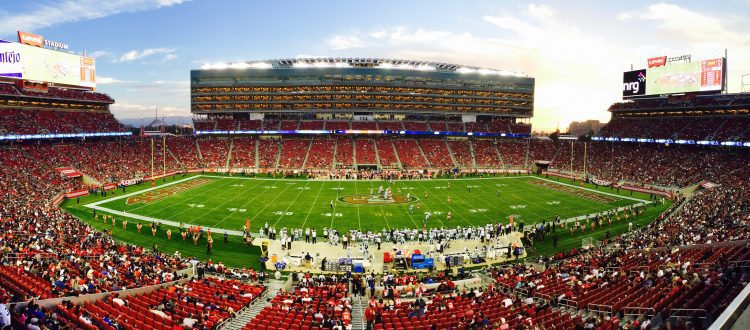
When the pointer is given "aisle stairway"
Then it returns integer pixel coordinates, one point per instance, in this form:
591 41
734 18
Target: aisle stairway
247 314
359 305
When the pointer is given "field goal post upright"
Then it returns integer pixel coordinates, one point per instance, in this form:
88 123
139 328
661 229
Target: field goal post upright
152 163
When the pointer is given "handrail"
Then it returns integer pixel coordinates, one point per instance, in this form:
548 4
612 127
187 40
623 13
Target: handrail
732 312
601 308
638 311
687 312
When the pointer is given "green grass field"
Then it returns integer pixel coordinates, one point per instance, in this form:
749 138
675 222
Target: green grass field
227 202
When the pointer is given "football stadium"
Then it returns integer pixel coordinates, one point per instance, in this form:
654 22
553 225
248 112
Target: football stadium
370 193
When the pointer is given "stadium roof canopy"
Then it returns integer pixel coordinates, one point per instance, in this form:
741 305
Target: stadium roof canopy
382 63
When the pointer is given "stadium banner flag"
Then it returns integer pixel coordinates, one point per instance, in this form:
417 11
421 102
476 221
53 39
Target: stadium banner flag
129 182
709 185
68 172
601 182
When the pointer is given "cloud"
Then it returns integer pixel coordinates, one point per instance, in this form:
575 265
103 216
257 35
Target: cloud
99 53
100 80
568 61
139 54
162 88
689 25
345 42
46 14
576 58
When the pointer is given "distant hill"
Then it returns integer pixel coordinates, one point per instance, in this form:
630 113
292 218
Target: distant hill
175 120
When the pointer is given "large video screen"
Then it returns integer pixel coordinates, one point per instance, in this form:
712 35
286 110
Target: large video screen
34 63
703 76
10 59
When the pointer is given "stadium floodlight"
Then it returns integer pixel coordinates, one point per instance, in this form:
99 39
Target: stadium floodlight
386 65
466 70
261 65
424 67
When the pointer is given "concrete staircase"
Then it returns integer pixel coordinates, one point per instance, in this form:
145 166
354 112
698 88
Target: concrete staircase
229 154
395 152
198 147
307 153
450 153
354 153
335 149
256 153
499 155
424 156
278 154
247 314
377 156
473 157
359 305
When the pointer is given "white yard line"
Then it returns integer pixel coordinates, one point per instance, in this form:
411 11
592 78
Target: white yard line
312 206
269 203
301 191
244 205
166 222
359 219
174 215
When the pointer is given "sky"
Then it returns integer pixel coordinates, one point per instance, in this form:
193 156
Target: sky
576 50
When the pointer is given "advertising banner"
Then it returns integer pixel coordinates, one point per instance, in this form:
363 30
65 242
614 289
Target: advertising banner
30 39
10 60
634 83
657 61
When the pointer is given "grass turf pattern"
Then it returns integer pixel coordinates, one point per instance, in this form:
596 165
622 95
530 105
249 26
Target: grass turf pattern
490 200
227 202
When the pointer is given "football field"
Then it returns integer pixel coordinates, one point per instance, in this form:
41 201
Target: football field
227 202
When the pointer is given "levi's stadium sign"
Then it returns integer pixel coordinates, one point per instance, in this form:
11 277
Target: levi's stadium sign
39 41
657 61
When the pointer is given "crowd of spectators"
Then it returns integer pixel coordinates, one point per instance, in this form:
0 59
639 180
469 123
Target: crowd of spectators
23 121
57 93
485 126
318 301
735 128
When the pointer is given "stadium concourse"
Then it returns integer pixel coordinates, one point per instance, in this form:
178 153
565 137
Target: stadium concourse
57 271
